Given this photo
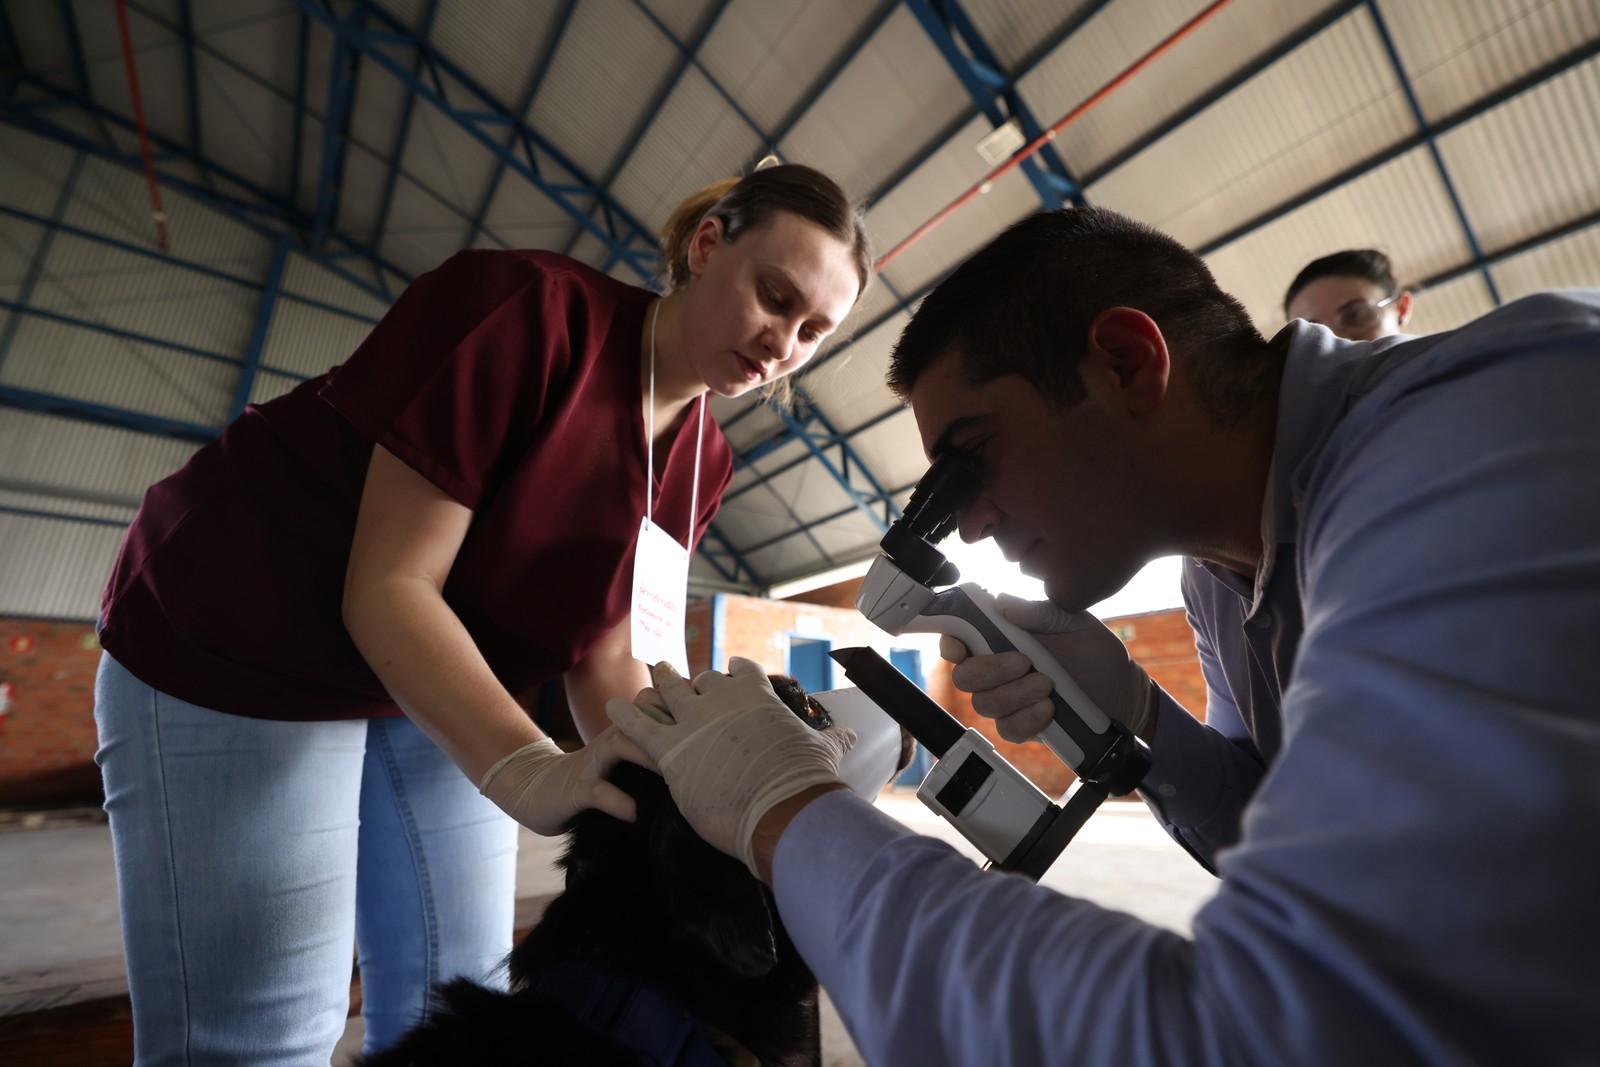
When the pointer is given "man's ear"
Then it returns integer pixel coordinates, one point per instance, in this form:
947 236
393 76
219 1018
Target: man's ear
1127 351
1402 309
706 240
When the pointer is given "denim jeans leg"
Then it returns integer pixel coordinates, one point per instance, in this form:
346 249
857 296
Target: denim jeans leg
235 843
437 880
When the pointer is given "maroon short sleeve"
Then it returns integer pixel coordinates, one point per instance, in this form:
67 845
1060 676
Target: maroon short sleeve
454 379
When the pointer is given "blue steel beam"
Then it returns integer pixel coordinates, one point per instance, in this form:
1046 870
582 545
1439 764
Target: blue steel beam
633 240
520 110
345 67
300 62
11 65
258 335
838 475
887 498
40 254
61 516
1223 88
116 331
173 261
401 134
1582 54
1484 262
748 458
297 102
80 67
191 78
979 72
265 213
691 57
840 62
102 415
686 56
1433 145
739 560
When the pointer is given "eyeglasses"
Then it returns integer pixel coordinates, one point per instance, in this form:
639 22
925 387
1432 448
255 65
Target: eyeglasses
1359 316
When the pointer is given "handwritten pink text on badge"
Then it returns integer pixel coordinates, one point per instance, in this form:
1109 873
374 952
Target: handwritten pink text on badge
660 594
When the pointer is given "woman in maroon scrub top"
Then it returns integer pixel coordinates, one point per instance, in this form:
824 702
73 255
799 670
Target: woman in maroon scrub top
345 593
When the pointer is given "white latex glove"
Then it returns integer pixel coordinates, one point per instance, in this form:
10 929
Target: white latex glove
1004 689
733 751
543 787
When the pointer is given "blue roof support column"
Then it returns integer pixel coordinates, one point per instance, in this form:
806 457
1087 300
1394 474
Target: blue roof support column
958 40
686 53
1582 54
299 111
258 336
829 76
191 79
336 124
727 549
40 254
102 415
632 240
401 134
1433 146
838 475
264 214
1234 81
520 110
168 260
10 58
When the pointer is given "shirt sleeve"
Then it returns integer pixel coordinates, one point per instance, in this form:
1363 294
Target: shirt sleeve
453 380
1203 774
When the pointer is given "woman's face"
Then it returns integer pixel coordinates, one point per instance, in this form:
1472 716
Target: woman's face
1353 308
758 307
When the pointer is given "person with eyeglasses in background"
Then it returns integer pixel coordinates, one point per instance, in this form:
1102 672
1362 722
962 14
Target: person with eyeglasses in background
1353 293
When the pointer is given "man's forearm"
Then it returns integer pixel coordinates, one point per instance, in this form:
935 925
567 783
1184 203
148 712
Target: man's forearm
772 825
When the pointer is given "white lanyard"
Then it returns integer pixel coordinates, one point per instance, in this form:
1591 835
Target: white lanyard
661 564
650 443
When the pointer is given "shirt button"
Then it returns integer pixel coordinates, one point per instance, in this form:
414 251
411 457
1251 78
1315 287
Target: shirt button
1167 789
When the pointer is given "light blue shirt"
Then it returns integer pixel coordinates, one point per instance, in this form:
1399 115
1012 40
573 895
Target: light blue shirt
1403 800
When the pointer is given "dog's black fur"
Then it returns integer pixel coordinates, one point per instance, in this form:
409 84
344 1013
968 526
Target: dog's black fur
651 901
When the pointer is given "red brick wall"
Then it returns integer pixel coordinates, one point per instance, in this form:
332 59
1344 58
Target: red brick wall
47 739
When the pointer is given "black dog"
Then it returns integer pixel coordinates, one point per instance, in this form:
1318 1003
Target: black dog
660 949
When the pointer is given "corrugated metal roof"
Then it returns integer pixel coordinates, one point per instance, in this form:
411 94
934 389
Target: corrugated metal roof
1298 137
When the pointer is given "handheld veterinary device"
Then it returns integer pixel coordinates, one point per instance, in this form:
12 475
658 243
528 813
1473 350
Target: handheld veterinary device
910 588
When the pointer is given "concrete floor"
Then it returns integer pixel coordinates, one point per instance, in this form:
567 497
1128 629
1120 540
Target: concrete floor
60 899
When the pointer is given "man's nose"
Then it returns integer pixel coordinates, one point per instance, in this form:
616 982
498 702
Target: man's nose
977 520
781 340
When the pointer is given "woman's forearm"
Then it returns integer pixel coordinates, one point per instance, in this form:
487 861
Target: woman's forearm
426 659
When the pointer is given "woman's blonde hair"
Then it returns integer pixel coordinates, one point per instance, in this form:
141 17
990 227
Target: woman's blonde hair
748 203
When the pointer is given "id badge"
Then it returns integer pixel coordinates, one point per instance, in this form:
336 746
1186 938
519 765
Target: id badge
660 595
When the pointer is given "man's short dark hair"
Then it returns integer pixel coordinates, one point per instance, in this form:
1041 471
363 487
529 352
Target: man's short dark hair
1024 302
1368 264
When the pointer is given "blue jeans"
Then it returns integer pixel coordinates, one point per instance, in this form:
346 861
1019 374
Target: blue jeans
254 856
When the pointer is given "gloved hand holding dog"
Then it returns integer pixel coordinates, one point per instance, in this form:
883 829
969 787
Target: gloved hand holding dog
1006 689
543 787
733 750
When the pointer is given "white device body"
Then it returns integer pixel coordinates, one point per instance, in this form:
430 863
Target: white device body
896 603
1000 813
872 760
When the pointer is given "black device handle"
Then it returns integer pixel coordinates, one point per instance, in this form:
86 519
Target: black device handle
900 698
